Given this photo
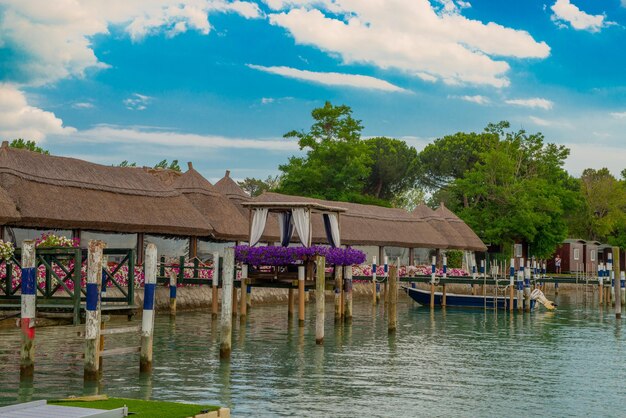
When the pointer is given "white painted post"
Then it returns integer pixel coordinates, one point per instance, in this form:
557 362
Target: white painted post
444 275
622 283
215 280
433 273
511 284
374 285
226 328
28 308
520 285
301 292
92 310
527 272
147 320
320 299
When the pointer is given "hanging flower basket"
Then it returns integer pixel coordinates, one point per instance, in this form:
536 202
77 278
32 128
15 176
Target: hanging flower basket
47 240
6 250
284 256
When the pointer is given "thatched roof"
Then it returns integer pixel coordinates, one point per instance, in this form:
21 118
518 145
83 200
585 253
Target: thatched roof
60 192
472 241
450 234
229 188
221 214
8 211
369 225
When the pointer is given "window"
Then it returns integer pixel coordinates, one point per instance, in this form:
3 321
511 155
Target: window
397 252
169 247
370 251
206 249
576 253
111 239
17 235
518 250
423 256
592 255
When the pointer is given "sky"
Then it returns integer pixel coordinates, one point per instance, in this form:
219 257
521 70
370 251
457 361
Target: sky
219 82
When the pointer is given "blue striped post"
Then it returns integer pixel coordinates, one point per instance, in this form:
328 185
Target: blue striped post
622 283
600 284
511 284
609 268
92 310
374 284
520 285
444 275
432 282
386 274
28 309
474 274
147 320
527 272
103 290
301 287
215 281
173 287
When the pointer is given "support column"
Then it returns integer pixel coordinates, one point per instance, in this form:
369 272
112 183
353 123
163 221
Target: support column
445 275
147 320
301 275
347 288
243 303
511 284
432 282
374 286
92 310
226 328
28 308
215 280
320 299
338 287
392 314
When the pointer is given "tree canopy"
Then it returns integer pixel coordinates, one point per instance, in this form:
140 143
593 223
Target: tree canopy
254 187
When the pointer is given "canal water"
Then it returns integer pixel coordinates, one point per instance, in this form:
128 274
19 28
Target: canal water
571 362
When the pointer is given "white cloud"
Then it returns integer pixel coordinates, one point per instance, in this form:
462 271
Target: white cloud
540 121
83 105
267 100
426 77
535 102
332 79
410 35
137 102
54 42
566 12
619 115
478 99
137 136
18 119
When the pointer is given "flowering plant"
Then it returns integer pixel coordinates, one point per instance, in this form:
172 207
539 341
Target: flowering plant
282 256
6 250
51 240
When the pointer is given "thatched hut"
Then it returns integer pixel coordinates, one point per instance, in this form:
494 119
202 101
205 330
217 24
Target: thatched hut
471 240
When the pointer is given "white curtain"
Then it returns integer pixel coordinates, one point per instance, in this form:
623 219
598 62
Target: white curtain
301 219
258 225
285 226
334 229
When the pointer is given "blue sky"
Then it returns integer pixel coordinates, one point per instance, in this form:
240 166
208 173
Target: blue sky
218 82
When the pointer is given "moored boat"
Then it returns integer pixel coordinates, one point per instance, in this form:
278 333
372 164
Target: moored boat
462 301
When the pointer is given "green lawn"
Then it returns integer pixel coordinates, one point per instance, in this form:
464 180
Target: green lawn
141 408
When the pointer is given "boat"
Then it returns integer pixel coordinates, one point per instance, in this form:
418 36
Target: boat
462 301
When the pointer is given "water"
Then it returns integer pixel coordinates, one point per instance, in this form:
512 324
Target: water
456 363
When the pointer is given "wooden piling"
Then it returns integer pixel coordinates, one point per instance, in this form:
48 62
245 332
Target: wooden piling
338 287
444 275
234 296
320 277
600 292
527 287
511 284
301 292
92 310
432 282
214 285
173 285
290 304
520 286
147 319
226 328
243 303
28 308
374 287
348 294
392 313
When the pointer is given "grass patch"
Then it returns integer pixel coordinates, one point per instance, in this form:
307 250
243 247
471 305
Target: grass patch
139 408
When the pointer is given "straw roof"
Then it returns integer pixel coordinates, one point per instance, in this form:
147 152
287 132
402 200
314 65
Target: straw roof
60 192
218 212
450 234
8 211
369 225
472 241
229 188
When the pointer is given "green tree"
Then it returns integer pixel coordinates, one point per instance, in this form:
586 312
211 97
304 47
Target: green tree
125 163
337 163
409 199
393 169
603 204
516 189
168 166
254 187
29 145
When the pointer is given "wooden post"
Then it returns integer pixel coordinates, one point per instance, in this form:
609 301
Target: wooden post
520 286
290 304
28 308
248 295
140 240
173 284
511 284
243 303
234 301
527 287
301 275
226 328
600 292
147 320
386 283
92 310
432 282
338 287
320 265
348 294
393 299
374 291
214 284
